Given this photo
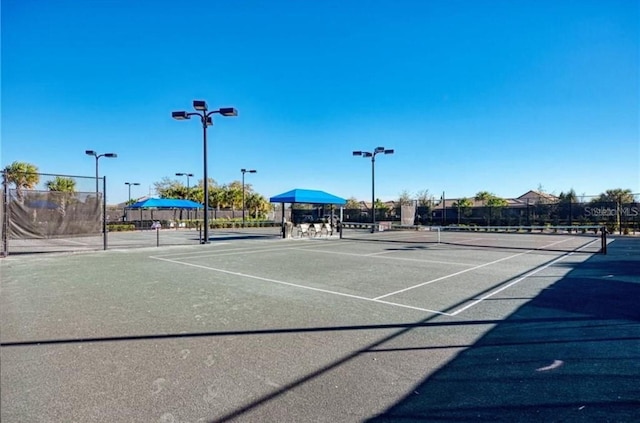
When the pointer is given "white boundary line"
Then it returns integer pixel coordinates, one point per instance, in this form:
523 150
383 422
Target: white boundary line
326 291
464 271
228 251
377 255
509 285
379 299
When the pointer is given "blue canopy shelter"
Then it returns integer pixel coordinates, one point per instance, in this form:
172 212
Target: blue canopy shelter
165 203
306 196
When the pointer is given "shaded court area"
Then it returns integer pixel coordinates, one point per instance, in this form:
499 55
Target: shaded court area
330 330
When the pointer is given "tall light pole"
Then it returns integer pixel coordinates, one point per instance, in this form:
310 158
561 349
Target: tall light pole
129 202
373 154
243 172
134 184
97 156
188 175
205 118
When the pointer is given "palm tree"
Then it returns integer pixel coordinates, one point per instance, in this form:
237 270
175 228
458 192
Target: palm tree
23 175
484 197
464 207
65 187
62 184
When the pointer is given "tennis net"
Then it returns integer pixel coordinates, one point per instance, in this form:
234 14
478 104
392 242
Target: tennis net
587 239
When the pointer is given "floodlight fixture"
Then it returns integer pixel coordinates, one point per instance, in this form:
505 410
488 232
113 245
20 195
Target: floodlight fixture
181 115
228 111
205 118
372 154
200 105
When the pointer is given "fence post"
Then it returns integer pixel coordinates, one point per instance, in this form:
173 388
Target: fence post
5 214
104 211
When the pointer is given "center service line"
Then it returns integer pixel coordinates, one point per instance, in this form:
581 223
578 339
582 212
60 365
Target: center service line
326 291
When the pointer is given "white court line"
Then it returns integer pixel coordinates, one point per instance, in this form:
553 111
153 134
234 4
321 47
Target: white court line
228 252
326 291
388 258
464 271
533 272
73 242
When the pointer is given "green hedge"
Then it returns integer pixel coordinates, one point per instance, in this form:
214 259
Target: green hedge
120 227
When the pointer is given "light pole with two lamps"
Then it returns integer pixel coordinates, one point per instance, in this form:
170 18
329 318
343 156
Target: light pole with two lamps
372 154
188 175
243 172
104 194
97 156
205 118
129 202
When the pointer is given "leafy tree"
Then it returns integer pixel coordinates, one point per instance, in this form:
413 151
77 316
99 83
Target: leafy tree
23 176
565 205
217 197
464 207
405 198
233 195
352 203
424 200
618 196
381 208
169 188
257 204
568 197
491 201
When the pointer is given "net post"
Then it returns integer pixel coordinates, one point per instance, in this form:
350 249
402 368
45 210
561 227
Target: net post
603 240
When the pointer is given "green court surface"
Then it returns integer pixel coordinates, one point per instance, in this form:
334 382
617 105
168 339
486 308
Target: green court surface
321 330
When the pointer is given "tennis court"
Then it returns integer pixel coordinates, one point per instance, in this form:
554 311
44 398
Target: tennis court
366 328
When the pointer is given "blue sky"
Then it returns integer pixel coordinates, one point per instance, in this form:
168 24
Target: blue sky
503 96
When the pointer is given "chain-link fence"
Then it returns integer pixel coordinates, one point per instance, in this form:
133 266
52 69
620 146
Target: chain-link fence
44 212
621 216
